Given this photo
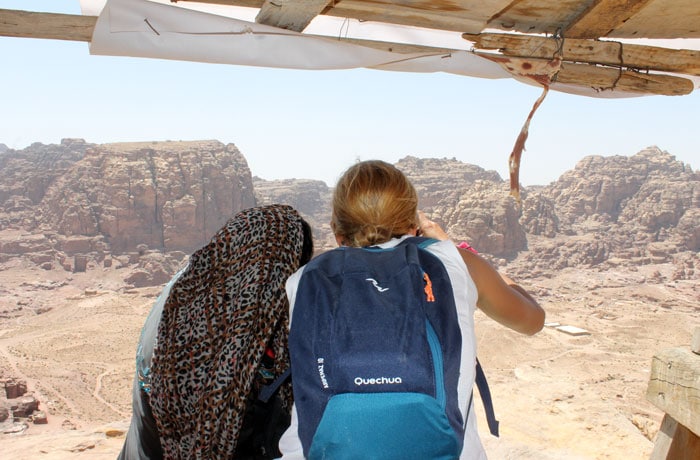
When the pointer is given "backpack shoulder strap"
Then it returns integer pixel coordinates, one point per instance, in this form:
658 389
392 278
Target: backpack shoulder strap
267 391
485 393
420 241
481 382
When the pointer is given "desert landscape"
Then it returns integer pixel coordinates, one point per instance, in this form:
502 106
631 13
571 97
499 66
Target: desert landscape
557 396
71 307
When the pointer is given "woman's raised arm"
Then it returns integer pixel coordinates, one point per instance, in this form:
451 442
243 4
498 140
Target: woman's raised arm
499 296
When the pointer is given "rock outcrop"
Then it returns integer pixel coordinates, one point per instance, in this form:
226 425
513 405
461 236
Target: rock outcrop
471 203
633 210
78 198
17 407
310 197
26 175
151 204
166 195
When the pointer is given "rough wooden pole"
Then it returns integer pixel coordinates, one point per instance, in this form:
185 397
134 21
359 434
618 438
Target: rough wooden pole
29 24
674 387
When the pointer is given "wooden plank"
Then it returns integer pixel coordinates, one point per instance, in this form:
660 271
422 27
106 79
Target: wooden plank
658 19
290 14
599 78
243 3
538 16
664 438
453 15
25 24
469 20
676 442
28 24
663 19
674 386
602 17
606 78
592 51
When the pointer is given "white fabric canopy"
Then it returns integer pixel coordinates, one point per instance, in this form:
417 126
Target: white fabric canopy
146 28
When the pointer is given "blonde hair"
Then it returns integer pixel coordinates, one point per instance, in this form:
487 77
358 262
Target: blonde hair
372 203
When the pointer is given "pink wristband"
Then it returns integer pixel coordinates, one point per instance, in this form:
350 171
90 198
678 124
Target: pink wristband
465 245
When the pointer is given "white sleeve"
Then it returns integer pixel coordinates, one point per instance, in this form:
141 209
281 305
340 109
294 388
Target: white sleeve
291 288
290 444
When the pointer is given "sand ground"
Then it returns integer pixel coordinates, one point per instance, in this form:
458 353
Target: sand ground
72 337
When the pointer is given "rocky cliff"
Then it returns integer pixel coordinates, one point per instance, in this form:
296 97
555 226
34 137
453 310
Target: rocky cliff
79 203
310 197
622 210
471 203
101 201
607 211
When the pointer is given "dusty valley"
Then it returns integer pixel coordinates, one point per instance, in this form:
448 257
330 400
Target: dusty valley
72 337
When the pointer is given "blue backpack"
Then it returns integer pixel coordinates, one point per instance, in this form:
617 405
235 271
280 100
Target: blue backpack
375 350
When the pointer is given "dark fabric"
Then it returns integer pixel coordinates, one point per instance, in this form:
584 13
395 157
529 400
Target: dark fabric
485 392
142 440
263 426
226 308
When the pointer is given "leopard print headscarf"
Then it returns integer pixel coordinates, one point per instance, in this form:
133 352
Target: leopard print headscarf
217 321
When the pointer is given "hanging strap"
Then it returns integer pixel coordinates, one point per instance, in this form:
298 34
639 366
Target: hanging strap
267 391
485 393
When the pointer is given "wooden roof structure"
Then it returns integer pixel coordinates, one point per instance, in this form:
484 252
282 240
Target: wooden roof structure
591 47
580 42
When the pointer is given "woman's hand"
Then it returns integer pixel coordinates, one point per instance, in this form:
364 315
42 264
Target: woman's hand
427 227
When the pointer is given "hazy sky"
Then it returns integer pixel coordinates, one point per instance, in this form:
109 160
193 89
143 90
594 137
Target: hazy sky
313 124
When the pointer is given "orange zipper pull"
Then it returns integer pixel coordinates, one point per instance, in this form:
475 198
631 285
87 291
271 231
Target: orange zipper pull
428 288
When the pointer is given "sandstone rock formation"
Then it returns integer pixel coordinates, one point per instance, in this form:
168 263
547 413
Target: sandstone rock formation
26 175
166 195
151 204
634 210
310 197
471 203
16 407
75 198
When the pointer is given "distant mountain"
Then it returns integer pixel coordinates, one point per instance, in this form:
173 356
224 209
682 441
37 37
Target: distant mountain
607 211
77 201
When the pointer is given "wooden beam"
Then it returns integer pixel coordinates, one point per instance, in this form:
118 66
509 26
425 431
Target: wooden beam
15 23
28 24
404 14
674 441
472 16
607 78
674 386
243 3
25 24
290 14
602 17
591 76
599 78
592 51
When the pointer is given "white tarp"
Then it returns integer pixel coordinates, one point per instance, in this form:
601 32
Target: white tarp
144 28
147 29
